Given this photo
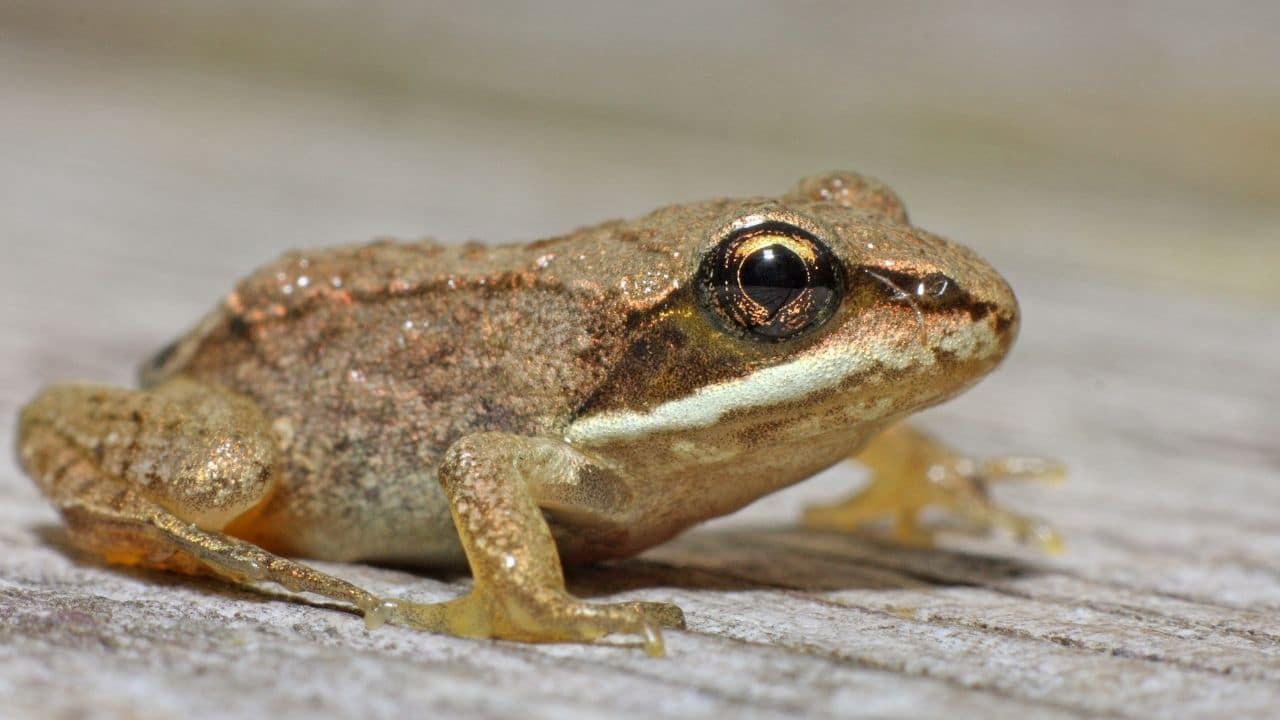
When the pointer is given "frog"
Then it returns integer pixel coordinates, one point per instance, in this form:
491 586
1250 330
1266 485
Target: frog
514 409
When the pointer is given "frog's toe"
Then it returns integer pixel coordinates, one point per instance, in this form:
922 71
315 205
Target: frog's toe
877 501
1026 529
559 619
1014 467
964 489
909 530
466 616
589 622
664 614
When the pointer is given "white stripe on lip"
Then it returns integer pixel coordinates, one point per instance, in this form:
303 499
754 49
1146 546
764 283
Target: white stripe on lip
770 386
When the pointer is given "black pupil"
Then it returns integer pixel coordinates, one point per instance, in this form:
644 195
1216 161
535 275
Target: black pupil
773 276
771 281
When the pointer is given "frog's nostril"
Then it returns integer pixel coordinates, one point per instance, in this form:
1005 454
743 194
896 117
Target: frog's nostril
1007 312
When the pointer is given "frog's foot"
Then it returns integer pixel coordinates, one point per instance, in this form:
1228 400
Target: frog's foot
556 617
924 474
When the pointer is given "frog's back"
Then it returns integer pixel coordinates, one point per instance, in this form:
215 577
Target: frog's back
371 360
538 322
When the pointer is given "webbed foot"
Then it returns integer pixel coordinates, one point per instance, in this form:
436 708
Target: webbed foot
912 472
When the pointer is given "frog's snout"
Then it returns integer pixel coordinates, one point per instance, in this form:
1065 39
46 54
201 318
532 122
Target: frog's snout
954 304
1009 321
994 297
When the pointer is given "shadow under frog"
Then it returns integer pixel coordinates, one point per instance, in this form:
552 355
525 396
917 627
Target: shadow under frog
752 558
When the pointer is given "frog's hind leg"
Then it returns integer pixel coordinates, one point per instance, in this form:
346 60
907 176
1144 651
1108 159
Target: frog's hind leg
154 477
911 472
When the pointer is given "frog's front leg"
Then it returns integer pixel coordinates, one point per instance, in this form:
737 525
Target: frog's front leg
912 471
498 486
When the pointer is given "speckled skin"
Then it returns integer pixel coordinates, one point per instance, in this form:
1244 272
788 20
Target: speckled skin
393 380
372 360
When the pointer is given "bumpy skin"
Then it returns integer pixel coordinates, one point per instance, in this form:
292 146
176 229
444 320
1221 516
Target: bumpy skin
510 406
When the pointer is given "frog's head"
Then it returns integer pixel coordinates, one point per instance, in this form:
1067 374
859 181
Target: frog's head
806 323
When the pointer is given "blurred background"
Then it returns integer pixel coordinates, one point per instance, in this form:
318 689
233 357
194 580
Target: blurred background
1117 161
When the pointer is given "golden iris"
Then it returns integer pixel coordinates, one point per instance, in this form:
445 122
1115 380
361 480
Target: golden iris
773 280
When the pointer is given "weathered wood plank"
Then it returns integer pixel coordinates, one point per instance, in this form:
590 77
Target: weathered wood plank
65 611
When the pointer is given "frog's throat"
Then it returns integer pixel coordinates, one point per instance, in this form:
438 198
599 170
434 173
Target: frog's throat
778 384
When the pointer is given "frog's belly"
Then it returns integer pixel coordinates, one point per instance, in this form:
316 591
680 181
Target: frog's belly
329 514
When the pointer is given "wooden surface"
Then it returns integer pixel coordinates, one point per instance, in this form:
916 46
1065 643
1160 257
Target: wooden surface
140 179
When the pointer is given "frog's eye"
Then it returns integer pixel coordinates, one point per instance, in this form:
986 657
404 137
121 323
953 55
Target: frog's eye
773 280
